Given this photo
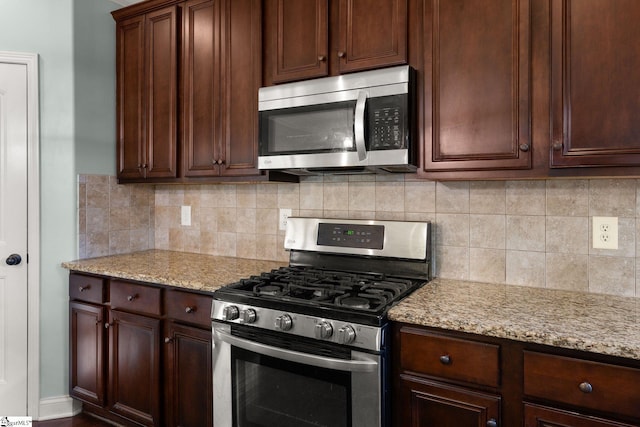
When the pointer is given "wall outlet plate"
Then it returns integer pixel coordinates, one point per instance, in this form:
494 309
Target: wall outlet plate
185 215
284 216
605 232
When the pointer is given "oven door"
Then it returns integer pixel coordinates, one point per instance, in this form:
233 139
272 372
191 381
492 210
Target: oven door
264 385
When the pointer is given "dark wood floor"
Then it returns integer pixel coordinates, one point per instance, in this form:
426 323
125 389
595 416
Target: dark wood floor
81 420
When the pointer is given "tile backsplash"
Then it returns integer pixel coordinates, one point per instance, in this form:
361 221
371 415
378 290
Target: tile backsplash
534 233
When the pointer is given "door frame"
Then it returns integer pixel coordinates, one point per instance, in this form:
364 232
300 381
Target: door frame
30 60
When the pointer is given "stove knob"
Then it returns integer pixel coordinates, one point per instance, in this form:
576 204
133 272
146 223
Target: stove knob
230 312
283 322
324 330
248 316
346 335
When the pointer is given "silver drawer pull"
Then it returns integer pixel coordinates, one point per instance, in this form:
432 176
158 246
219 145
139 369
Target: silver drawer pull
585 387
445 359
132 297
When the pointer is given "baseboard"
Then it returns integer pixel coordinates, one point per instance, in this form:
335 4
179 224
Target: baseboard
58 407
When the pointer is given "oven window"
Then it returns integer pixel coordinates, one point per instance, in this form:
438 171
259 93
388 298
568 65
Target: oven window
300 130
270 392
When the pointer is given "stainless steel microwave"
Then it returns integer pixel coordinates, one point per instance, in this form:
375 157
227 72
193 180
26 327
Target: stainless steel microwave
354 123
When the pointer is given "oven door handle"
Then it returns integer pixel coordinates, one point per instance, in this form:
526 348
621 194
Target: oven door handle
358 125
356 365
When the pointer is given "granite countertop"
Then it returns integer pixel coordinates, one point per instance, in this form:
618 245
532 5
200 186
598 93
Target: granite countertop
181 269
576 320
582 321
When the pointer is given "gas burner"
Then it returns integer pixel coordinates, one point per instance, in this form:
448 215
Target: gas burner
315 292
370 302
270 290
353 302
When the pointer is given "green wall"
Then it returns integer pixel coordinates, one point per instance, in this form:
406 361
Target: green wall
75 41
94 65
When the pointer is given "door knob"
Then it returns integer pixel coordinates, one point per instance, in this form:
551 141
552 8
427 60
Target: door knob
14 259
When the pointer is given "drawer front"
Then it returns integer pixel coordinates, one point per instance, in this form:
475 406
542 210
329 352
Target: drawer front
452 358
189 307
592 385
136 298
87 288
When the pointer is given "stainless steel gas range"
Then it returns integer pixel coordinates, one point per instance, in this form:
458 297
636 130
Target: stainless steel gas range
307 344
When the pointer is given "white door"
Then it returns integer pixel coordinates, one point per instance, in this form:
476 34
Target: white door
13 239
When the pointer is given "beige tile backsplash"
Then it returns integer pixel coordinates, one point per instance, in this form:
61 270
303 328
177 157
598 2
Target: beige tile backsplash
533 233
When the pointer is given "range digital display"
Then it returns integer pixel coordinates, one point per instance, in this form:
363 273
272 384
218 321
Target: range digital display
351 235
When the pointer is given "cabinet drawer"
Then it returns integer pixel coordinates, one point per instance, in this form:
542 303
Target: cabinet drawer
450 358
189 307
133 297
87 288
592 385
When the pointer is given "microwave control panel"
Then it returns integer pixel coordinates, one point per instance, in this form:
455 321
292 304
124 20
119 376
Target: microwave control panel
387 122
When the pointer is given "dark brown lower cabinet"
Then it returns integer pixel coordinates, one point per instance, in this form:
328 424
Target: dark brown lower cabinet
87 352
446 378
134 367
140 354
431 403
189 370
540 416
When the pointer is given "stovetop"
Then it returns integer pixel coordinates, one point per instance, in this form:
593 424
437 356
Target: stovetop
341 295
342 278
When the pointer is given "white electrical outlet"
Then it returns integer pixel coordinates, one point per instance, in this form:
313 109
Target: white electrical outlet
605 232
185 215
284 216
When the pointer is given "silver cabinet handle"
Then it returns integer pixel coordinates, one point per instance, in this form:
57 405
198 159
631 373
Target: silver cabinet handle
295 356
359 125
585 387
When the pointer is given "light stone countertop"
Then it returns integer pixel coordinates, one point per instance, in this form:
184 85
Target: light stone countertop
181 269
582 321
596 323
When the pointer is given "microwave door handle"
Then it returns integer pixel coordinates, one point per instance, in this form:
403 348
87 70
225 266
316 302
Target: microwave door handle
295 356
359 125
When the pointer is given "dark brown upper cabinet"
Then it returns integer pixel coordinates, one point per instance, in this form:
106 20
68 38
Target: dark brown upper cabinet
305 39
595 58
188 74
147 95
298 33
477 84
221 77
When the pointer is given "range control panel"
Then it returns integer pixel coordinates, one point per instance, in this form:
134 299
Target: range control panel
351 235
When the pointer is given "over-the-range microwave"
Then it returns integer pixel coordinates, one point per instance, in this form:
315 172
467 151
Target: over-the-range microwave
354 123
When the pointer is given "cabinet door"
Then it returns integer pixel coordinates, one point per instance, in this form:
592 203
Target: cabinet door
372 33
296 39
539 416
131 134
189 376
134 367
87 367
428 403
241 77
595 61
477 57
162 91
201 86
